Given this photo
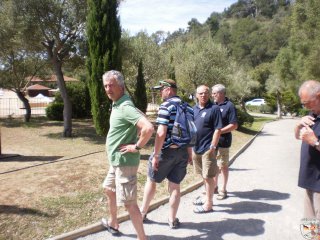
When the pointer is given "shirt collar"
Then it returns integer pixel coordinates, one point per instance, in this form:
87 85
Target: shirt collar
225 101
208 104
120 100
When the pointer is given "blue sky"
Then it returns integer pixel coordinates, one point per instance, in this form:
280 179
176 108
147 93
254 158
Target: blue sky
166 15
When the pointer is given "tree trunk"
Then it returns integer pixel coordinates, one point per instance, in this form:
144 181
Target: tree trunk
279 105
56 61
67 109
26 105
243 105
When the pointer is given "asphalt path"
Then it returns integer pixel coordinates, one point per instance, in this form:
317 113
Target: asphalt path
264 200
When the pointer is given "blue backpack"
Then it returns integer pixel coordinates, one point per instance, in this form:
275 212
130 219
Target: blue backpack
184 130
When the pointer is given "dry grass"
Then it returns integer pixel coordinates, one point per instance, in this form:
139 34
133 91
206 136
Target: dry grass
53 185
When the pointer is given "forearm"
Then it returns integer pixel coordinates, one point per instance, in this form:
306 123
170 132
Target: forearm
146 130
144 137
159 140
215 137
297 131
229 128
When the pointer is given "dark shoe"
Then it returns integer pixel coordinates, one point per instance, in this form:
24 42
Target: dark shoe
200 210
144 218
175 224
113 231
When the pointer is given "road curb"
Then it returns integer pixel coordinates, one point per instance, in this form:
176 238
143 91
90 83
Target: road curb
97 227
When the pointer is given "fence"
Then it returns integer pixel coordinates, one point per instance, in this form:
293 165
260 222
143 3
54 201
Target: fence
13 107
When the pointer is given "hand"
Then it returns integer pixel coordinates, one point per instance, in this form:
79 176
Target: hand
190 160
307 135
155 163
126 148
306 121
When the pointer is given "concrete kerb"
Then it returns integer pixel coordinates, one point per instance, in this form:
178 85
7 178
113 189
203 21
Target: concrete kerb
97 227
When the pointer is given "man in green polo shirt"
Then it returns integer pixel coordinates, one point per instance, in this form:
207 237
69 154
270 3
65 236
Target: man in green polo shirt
129 132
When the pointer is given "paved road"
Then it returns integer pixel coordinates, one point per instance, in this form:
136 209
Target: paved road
264 201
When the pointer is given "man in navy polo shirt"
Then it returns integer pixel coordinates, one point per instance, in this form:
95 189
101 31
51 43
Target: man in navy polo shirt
208 121
308 130
230 123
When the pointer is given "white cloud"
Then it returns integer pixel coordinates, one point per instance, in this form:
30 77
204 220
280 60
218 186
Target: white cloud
166 15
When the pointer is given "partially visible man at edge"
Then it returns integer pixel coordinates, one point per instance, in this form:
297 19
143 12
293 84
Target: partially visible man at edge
123 145
230 123
308 130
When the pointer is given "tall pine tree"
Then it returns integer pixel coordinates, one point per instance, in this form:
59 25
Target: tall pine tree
104 33
140 94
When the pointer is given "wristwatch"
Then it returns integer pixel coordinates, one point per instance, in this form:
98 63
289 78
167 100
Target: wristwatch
316 143
137 147
213 147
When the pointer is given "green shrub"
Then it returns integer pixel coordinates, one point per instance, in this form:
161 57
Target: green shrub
244 118
252 108
303 112
55 111
80 100
264 108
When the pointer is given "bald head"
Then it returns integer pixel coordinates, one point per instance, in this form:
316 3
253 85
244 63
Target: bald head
310 87
309 93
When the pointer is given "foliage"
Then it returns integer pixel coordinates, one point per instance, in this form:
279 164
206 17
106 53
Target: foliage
103 32
140 95
255 8
302 112
300 60
60 25
21 56
244 118
143 48
261 74
242 84
191 60
55 111
291 102
264 108
80 99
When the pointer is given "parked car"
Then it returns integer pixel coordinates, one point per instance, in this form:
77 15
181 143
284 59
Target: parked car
256 102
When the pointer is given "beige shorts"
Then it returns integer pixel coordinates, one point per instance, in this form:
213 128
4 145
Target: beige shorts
312 205
205 164
122 180
223 157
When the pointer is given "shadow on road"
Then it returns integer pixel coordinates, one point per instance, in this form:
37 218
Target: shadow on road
215 230
260 194
249 207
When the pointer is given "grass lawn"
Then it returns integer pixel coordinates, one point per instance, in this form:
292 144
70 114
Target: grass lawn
51 185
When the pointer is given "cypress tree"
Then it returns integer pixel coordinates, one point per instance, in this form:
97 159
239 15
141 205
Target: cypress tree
140 93
172 70
104 33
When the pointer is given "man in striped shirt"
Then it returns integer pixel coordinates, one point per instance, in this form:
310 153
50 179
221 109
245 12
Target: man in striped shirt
167 160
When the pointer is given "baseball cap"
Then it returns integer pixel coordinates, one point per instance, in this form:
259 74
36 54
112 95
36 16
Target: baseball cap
166 83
